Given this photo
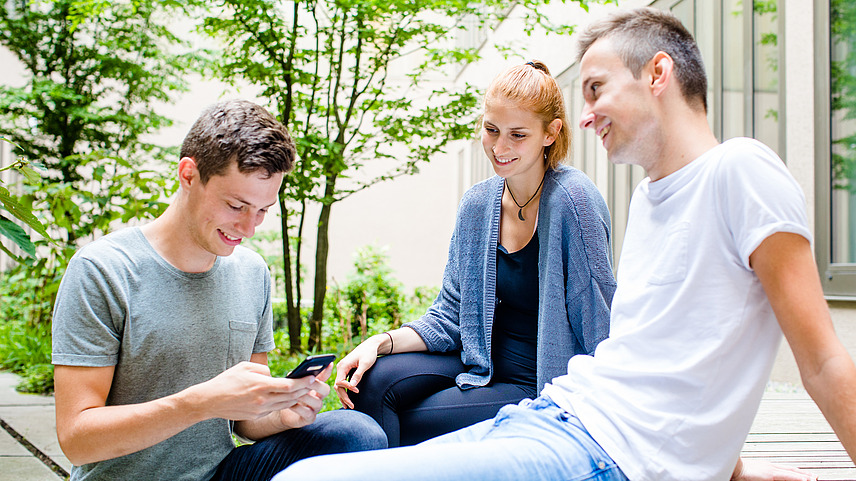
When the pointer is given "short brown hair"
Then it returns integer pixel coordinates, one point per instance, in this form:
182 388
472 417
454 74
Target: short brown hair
640 33
240 131
532 86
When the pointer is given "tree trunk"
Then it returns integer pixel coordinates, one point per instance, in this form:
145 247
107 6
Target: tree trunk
322 248
292 310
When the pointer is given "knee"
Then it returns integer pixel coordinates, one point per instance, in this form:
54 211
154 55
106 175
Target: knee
349 431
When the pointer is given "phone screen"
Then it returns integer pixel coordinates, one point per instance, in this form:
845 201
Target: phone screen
312 366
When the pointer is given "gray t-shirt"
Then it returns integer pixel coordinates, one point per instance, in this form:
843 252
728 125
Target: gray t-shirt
121 304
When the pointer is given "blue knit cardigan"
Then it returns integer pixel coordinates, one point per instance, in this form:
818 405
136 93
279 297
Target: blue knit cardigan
575 280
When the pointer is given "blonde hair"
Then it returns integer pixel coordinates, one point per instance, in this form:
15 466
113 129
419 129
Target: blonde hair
532 87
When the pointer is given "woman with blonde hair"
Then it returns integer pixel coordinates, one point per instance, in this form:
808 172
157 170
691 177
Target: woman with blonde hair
528 282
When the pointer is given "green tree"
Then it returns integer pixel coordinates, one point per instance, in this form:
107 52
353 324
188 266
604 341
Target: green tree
94 72
325 66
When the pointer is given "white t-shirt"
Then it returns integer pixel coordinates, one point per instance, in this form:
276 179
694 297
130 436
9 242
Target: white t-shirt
672 393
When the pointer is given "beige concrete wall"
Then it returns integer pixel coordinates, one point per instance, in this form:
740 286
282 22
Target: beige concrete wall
843 317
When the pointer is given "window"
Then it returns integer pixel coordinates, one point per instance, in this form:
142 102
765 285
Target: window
835 104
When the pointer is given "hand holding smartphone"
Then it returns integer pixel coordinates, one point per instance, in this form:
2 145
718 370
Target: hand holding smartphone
312 366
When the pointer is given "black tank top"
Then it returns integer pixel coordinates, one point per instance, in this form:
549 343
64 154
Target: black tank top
515 320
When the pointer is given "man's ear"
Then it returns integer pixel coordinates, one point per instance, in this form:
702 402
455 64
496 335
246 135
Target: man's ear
661 67
553 129
188 174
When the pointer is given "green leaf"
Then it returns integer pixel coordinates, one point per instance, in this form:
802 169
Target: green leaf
9 253
31 175
18 235
21 212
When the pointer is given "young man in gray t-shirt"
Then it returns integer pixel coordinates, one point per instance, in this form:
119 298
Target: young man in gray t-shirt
161 333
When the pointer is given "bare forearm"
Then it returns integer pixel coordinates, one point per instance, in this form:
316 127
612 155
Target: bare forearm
833 388
101 433
403 339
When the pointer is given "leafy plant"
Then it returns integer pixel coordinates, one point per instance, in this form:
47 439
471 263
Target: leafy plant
14 207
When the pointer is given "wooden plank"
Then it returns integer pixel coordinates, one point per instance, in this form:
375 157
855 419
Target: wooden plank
790 429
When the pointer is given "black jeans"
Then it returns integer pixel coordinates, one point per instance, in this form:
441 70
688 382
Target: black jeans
332 432
413 396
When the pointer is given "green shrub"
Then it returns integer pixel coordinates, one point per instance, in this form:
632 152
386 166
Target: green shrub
25 349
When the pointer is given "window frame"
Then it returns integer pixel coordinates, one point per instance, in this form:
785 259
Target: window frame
838 279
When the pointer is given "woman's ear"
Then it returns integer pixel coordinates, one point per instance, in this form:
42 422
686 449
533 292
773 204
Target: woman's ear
553 129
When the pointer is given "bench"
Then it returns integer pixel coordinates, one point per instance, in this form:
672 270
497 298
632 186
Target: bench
789 429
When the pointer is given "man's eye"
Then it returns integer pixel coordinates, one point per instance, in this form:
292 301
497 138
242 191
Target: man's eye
236 208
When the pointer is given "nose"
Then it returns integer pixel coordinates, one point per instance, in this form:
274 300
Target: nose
246 225
500 146
586 118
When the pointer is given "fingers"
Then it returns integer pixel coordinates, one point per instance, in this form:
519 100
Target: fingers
342 392
321 388
325 374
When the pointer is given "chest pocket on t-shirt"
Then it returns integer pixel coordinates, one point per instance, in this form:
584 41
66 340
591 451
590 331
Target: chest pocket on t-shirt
242 337
671 263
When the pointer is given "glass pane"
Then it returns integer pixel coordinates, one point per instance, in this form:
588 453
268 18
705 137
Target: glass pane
766 73
733 95
842 19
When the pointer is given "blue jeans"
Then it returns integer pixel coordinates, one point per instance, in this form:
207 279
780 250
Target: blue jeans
531 440
332 432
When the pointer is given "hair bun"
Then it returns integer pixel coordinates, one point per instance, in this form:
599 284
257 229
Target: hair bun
538 65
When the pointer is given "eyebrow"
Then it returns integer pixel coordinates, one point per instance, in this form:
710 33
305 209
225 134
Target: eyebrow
242 201
510 128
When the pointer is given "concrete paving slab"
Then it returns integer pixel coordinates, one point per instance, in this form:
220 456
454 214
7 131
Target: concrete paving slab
25 468
36 423
11 447
32 417
11 397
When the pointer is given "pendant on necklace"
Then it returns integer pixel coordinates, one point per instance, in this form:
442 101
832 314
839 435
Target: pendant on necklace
520 215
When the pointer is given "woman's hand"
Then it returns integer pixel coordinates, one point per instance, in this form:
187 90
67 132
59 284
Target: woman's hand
755 470
359 361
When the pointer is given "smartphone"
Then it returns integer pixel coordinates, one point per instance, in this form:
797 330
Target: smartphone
312 365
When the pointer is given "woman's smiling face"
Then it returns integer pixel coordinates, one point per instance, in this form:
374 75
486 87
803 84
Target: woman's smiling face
514 139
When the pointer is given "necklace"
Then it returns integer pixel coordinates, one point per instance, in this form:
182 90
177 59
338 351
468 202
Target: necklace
520 207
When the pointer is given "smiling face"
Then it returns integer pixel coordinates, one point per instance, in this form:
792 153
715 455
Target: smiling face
514 139
619 107
226 209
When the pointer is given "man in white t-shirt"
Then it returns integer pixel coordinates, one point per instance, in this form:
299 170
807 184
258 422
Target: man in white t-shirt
716 265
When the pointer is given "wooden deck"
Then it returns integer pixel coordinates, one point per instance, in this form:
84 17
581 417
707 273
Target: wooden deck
789 429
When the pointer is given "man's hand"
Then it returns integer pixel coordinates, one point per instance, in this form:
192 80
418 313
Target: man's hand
303 412
247 391
754 470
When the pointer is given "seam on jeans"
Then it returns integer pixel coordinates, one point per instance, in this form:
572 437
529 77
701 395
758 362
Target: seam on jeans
454 406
